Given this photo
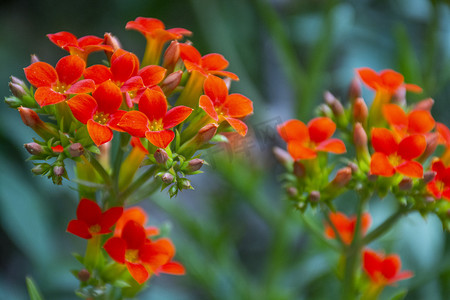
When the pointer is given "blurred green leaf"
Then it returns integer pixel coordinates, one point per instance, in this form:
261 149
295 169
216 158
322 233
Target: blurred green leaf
32 290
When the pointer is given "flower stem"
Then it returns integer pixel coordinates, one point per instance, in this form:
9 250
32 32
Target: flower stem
385 226
137 184
318 233
92 252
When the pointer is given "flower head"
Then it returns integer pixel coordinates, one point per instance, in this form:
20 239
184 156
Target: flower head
91 221
391 157
223 107
383 270
304 141
439 187
345 226
154 28
386 80
54 84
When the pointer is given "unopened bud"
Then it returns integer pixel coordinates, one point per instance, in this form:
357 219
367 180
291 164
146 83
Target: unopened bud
299 169
429 199
76 150
84 275
360 141
292 191
207 132
173 190
360 110
406 184
334 104
13 102
372 177
429 176
432 143
425 104
185 184
354 89
325 110
33 148
16 80
399 96
172 55
31 118
343 176
171 82
227 81
195 164
314 196
282 156
34 59
111 40
353 167
58 170
17 90
38 170
160 156
167 178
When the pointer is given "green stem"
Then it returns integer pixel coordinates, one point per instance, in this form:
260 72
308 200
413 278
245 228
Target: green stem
137 184
336 232
101 171
385 226
92 252
318 233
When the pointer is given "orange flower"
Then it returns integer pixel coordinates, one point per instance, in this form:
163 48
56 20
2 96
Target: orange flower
415 122
391 157
223 107
138 215
81 47
100 111
91 221
444 139
387 80
303 142
439 187
383 270
153 121
54 84
213 63
345 226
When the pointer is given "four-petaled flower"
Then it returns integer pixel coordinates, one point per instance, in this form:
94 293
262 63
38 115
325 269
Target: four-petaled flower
223 107
54 84
100 111
91 221
153 121
303 142
383 270
212 63
439 187
386 80
138 215
81 47
391 157
345 226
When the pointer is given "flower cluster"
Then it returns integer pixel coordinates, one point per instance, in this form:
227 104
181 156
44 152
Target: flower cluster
131 126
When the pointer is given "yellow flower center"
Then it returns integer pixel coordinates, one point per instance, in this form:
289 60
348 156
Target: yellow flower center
132 255
94 229
440 185
156 125
101 118
394 159
61 88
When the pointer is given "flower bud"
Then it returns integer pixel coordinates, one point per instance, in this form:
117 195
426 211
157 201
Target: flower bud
406 184
195 164
38 170
76 150
428 176
372 177
432 143
334 104
171 56
325 110
314 196
353 167
167 178
30 118
18 81
206 133
282 156
17 90
173 191
84 275
13 102
425 104
33 148
299 169
171 82
58 170
354 89
360 111
292 191
429 199
111 40
360 141
399 96
161 156
34 58
343 176
185 184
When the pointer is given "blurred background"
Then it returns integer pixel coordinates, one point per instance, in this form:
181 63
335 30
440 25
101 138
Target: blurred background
237 234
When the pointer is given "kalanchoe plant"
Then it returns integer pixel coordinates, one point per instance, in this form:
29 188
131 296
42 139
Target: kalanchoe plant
130 127
388 147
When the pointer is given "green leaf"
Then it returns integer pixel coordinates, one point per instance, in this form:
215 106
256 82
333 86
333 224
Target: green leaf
32 290
121 284
400 295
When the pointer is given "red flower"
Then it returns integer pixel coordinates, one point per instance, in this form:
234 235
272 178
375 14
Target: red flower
346 226
153 120
100 111
439 187
391 157
142 256
383 270
154 28
387 80
54 84
415 122
220 106
81 47
303 142
213 63
91 221
138 215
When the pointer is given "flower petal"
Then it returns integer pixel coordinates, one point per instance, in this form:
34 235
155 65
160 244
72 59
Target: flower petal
99 134
224 74
70 68
46 96
108 97
293 130
380 165
79 228
298 151
136 214
135 123
371 263
420 121
383 141
369 77
391 80
216 89
153 104
176 115
83 107
98 73
41 74
152 75
63 39
124 67
116 248
413 88
321 129
411 169
133 84
82 87
207 105
110 217
238 106
89 212
174 268
332 145
138 272
412 146
133 234
238 125
390 266
160 139
395 116
214 61
190 53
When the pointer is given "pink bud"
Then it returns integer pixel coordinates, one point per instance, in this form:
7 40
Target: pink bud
195 164
171 82
17 90
58 171
292 191
76 150
429 176
333 103
111 40
299 169
406 184
34 58
207 132
354 89
425 104
314 196
31 119
33 148
282 156
167 178
84 275
172 55
360 110
160 156
343 176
